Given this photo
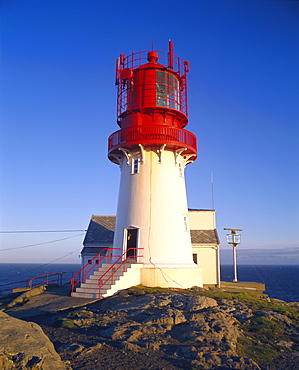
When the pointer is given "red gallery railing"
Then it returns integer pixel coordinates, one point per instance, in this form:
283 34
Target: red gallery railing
89 267
153 135
119 265
137 59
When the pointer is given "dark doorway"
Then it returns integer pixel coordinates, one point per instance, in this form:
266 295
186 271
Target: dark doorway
132 241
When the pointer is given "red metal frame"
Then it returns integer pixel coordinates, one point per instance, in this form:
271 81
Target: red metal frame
116 267
136 62
152 105
139 58
83 277
153 135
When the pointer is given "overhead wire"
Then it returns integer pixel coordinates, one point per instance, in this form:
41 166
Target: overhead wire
255 265
37 244
56 259
48 263
39 231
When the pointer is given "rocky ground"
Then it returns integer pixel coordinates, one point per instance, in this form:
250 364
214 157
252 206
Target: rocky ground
148 328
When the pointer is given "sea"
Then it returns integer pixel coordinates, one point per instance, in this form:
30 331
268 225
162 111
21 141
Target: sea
282 282
17 275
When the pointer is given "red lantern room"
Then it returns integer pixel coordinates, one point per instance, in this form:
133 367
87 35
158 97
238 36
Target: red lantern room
152 104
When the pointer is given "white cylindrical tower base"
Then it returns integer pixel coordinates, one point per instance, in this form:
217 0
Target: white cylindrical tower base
152 215
171 277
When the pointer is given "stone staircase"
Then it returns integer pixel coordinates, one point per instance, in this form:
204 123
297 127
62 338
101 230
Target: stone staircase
128 275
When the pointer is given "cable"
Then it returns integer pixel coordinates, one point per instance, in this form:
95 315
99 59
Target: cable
265 272
34 245
57 259
46 264
39 231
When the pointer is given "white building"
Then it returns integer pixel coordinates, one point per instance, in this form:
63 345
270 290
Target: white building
204 239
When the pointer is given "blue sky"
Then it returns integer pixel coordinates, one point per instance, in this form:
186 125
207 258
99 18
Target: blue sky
58 107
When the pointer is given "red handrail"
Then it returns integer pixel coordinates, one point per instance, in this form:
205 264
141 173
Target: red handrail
100 285
58 279
74 283
47 281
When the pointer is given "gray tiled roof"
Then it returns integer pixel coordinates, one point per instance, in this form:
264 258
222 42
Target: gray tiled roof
204 237
91 250
100 230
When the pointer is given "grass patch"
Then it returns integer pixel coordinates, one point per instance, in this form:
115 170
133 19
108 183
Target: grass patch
265 327
79 314
262 333
66 323
261 353
141 290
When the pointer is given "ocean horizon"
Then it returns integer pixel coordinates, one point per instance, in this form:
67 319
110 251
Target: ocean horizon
282 281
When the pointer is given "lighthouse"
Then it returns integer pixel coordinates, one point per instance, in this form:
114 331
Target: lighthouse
153 148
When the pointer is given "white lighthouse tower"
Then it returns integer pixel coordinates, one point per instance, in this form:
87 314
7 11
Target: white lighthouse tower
152 149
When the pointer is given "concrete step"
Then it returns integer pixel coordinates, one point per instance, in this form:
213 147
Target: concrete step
103 270
89 285
105 277
84 295
92 290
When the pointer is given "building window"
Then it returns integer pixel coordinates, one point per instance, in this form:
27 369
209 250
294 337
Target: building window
135 165
194 255
181 171
185 223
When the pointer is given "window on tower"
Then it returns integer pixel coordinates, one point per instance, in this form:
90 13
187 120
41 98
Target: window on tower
181 170
185 223
167 90
135 165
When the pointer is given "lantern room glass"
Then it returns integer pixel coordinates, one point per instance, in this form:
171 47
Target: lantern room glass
167 90
233 238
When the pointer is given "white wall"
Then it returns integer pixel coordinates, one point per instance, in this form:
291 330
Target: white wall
155 201
203 220
208 260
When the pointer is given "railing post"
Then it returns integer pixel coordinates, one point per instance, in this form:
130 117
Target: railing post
30 287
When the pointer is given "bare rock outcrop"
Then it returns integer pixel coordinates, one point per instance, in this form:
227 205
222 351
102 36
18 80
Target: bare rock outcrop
155 328
197 330
23 345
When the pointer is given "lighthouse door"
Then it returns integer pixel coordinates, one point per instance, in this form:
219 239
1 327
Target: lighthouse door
131 243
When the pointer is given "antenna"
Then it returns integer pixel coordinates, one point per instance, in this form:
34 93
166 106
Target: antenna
212 188
153 45
170 54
